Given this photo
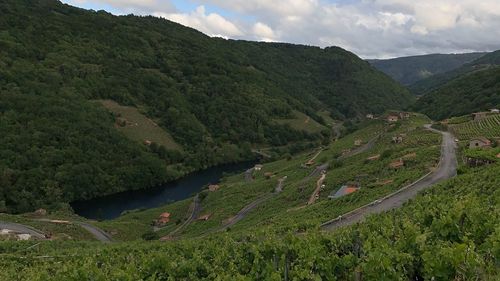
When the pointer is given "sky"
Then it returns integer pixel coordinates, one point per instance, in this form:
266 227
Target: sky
369 28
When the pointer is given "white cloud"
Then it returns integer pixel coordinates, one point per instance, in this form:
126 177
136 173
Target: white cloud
263 32
140 7
212 24
370 28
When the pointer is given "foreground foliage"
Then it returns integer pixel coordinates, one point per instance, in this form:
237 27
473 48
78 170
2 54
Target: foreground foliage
448 233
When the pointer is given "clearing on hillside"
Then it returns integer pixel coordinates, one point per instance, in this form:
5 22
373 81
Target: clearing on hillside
328 119
302 122
138 127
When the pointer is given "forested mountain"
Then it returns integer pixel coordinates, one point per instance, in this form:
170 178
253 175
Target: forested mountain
408 70
476 91
435 82
215 97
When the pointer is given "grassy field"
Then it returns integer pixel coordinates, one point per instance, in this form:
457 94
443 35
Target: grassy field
302 122
138 127
328 119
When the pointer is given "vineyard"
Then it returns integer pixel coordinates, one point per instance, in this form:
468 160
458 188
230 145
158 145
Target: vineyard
448 233
488 127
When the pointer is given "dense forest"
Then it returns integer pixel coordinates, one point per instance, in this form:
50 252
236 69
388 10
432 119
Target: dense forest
477 91
448 233
408 70
216 97
434 82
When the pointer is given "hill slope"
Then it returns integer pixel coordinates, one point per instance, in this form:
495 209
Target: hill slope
215 97
408 70
435 82
468 93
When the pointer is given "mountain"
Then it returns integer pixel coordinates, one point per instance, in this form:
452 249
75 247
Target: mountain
470 92
434 82
408 70
216 98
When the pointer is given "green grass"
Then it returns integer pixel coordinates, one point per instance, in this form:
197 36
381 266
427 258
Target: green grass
326 116
140 128
302 122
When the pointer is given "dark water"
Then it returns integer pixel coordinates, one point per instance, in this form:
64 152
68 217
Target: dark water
111 206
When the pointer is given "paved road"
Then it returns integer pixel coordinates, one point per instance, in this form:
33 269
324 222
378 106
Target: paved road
98 233
195 212
446 169
22 229
248 208
367 146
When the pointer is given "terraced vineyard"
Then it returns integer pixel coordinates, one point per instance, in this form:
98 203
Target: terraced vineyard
488 127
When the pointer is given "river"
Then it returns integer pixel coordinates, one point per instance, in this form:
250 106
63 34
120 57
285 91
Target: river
112 206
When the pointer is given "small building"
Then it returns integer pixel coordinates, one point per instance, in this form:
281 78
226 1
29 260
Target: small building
344 190
412 155
268 175
40 212
373 158
495 110
397 164
167 238
163 219
392 118
370 116
204 217
258 167
477 116
213 187
404 115
479 142
498 155
358 142
384 182
397 139
309 163
148 142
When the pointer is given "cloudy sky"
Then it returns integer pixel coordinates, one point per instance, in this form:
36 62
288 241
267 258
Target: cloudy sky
369 28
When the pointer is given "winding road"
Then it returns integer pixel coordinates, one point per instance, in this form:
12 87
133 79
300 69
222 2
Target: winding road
248 208
446 169
195 212
22 229
98 233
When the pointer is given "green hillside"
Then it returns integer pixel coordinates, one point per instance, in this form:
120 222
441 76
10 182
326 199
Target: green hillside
214 98
408 70
471 92
435 82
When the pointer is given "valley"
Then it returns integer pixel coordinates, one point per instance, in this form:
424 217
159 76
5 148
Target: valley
135 147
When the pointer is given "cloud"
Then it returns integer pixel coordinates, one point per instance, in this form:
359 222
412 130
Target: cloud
212 24
140 7
369 28
263 32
